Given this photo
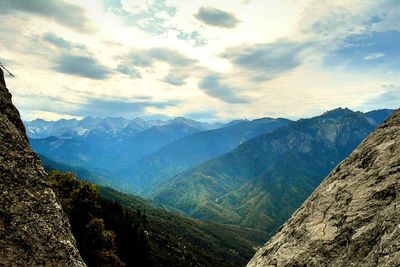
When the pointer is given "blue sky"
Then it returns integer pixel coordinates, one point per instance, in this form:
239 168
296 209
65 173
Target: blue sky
209 60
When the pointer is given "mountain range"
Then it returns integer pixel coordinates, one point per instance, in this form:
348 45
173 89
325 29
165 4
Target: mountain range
242 189
119 126
158 168
248 173
260 183
49 218
105 145
142 160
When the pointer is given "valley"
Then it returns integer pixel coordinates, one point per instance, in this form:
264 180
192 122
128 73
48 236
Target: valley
165 133
247 173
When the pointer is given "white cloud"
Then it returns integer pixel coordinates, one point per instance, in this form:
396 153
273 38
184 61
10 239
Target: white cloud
374 56
137 7
271 63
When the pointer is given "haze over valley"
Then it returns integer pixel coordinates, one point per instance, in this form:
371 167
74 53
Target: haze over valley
199 133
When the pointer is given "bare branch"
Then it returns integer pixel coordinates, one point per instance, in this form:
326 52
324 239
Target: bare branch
4 68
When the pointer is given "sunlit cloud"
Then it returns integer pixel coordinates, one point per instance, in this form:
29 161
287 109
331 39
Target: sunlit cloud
213 86
216 17
60 11
267 61
388 95
81 66
211 60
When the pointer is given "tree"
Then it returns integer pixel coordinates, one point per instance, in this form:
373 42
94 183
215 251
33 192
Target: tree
100 244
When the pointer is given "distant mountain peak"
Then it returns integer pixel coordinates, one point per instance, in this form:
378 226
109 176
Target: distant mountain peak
231 123
276 170
39 120
40 128
338 112
182 120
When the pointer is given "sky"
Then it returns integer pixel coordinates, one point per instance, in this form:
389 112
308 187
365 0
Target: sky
205 60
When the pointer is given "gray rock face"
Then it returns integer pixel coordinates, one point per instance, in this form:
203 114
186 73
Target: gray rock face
353 218
34 231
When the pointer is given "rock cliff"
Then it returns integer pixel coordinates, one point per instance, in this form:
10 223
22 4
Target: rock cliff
353 218
34 231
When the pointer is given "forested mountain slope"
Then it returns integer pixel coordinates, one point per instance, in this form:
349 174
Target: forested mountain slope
158 168
261 183
115 229
353 218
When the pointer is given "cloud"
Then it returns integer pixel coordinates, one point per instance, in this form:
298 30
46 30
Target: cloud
389 97
170 56
332 21
90 106
81 66
147 57
202 115
268 60
134 7
63 13
191 36
130 71
158 18
175 78
72 58
57 41
61 42
367 51
147 7
100 107
212 86
39 102
374 56
346 47
216 17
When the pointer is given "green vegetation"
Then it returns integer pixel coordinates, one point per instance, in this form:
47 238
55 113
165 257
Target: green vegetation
84 174
113 229
89 176
258 185
103 230
160 167
136 159
103 147
263 181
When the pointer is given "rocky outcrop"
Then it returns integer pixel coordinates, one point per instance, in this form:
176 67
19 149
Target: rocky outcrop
353 218
34 231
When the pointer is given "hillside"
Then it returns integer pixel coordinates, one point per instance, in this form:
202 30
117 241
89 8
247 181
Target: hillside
82 173
136 155
229 245
212 241
261 183
107 146
352 219
157 169
34 230
141 234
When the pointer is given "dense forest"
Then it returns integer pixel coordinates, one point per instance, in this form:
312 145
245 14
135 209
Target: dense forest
106 233
115 229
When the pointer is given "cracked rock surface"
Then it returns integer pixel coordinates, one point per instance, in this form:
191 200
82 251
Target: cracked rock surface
353 217
34 231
